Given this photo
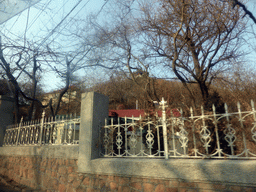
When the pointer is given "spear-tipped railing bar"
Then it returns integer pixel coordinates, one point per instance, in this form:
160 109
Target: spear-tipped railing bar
106 137
17 140
141 135
215 122
132 138
205 133
193 130
229 132
173 136
41 128
112 138
163 105
158 138
65 129
253 130
119 137
126 140
241 120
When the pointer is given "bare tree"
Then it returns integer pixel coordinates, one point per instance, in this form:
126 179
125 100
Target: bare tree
192 40
197 39
26 63
116 45
66 76
246 11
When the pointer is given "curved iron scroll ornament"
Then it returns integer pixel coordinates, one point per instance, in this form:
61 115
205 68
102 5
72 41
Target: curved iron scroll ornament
54 134
69 133
119 140
133 140
205 134
205 137
230 136
106 141
253 130
229 132
31 136
150 139
183 136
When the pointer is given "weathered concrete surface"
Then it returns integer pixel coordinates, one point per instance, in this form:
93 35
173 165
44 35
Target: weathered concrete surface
233 171
94 110
6 115
51 151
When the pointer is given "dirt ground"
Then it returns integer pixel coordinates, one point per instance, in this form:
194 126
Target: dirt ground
8 185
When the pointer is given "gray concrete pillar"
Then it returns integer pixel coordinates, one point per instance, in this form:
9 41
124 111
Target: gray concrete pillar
6 114
94 110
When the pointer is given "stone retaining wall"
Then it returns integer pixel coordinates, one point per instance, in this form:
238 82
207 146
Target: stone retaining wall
59 174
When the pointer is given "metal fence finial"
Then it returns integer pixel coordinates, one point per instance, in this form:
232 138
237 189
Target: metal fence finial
163 105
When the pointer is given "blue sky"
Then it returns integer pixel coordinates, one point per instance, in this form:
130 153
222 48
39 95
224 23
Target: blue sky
40 20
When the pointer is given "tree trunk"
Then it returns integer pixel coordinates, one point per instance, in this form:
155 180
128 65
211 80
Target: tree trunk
205 94
16 107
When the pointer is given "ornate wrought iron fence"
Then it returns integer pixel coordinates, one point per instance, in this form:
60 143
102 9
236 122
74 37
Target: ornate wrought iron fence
209 135
62 130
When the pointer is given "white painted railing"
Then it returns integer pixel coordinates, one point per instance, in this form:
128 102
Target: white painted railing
209 135
64 130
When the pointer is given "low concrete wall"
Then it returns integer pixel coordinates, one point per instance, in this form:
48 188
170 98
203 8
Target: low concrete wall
230 172
51 151
240 172
43 171
79 168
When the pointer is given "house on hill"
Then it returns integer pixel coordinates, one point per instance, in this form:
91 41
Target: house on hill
70 95
136 114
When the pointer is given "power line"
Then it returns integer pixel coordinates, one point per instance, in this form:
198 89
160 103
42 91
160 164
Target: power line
71 20
78 12
36 17
14 23
26 27
102 8
56 12
9 37
51 33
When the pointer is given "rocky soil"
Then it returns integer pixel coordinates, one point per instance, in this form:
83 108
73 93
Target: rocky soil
8 185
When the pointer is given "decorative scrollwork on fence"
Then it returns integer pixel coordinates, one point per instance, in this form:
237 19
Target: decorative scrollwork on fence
209 135
230 135
119 140
253 131
205 137
133 140
183 136
149 139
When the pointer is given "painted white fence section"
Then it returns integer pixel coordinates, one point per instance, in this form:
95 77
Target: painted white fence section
64 131
209 135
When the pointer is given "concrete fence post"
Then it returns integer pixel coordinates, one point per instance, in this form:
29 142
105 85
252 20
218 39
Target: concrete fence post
6 115
94 110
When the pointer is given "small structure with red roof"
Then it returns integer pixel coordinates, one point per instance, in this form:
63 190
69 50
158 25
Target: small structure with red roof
136 113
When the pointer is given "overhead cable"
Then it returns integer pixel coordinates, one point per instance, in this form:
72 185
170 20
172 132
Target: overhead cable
51 33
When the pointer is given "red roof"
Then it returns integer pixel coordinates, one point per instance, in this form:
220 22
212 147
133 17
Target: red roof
137 113
126 113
